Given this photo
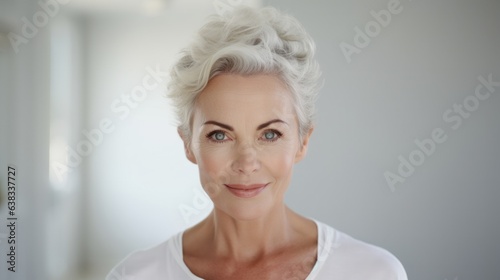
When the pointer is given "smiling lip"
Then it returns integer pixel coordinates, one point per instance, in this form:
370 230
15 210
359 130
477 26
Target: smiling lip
246 191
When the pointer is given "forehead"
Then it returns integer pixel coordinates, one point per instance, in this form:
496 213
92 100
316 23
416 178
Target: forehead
236 95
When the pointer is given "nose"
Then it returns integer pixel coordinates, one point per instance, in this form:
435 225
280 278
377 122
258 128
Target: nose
246 160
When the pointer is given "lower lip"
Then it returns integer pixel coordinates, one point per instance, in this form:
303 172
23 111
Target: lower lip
246 193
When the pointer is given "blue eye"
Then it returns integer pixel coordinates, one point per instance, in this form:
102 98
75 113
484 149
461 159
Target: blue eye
219 136
216 136
269 135
272 135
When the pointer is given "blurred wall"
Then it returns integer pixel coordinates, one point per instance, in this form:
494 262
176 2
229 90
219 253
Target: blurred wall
24 133
397 84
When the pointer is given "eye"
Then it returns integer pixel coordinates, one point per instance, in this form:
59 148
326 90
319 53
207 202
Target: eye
272 135
217 136
269 135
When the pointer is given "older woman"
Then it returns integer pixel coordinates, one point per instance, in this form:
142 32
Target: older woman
244 95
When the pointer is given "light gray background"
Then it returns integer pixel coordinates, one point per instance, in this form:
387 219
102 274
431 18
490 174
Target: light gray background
442 222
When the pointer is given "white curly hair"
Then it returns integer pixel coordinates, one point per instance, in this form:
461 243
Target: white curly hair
247 41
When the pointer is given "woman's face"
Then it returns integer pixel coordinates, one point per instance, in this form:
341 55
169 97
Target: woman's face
245 142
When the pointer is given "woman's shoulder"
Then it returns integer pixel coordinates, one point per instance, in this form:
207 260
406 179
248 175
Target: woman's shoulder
344 256
148 263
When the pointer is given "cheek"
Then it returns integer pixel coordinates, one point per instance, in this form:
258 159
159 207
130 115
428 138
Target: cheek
279 161
212 165
212 156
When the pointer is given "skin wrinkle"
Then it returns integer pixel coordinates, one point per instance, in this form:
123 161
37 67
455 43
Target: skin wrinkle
260 234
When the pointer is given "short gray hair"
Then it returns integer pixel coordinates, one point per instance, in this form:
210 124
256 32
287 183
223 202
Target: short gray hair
248 41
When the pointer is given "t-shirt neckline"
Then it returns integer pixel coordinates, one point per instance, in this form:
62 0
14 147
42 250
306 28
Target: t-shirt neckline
323 247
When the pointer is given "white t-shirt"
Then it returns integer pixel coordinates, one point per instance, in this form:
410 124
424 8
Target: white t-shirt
339 257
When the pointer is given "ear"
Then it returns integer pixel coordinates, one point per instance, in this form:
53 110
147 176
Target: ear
187 147
301 153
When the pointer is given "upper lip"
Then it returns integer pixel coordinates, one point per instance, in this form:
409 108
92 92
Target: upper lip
245 187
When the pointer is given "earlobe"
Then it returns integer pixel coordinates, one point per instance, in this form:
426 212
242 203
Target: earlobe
187 147
301 153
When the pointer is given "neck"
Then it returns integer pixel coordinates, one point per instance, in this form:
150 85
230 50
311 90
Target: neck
246 240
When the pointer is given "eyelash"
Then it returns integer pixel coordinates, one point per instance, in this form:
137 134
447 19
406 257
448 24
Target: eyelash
278 135
210 138
210 134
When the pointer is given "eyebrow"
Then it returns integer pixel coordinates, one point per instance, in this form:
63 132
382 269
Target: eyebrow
270 122
230 128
